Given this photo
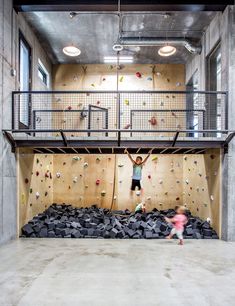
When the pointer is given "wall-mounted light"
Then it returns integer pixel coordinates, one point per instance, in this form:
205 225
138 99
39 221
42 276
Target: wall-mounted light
72 51
167 50
114 59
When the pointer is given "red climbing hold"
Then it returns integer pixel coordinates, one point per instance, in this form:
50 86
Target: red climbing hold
97 182
149 177
138 74
127 126
37 173
69 107
153 121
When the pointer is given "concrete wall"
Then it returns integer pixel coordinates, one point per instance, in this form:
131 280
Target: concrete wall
222 29
9 28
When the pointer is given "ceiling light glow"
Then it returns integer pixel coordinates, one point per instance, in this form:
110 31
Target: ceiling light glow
71 51
167 50
114 59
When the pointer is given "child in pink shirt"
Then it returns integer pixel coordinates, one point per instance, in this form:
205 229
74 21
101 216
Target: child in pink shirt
178 221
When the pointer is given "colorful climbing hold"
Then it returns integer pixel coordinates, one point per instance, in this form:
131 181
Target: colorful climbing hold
153 121
149 177
126 127
97 182
121 78
149 79
155 158
75 179
58 175
85 165
126 101
30 190
37 195
138 75
103 193
37 173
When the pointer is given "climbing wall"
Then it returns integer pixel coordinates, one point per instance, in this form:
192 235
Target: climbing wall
201 186
84 180
70 111
131 77
161 181
35 185
105 180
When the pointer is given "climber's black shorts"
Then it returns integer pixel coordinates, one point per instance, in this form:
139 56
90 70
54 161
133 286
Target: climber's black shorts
134 184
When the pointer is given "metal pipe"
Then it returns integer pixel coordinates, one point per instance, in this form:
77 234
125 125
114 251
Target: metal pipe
157 41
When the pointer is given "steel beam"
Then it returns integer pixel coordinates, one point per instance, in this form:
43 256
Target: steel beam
126 5
11 141
175 138
65 141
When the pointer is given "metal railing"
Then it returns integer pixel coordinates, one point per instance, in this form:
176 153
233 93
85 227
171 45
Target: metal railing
141 113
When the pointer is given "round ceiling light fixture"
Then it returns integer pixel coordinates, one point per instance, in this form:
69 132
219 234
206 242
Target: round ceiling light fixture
71 51
167 50
117 47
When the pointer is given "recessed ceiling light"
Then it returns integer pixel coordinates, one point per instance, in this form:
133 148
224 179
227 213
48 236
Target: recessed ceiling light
167 50
71 51
122 59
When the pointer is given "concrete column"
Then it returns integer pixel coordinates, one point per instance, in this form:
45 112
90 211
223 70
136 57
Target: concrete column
228 169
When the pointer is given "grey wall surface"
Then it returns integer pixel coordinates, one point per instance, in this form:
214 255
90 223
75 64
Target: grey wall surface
222 28
9 29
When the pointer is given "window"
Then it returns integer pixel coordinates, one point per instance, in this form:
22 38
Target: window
194 118
43 73
25 81
214 84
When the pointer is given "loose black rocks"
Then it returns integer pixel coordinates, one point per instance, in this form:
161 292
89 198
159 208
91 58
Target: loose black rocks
65 221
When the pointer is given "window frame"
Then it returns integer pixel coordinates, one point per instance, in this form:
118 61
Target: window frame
23 40
45 74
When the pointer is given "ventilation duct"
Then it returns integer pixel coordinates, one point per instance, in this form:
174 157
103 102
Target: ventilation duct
155 41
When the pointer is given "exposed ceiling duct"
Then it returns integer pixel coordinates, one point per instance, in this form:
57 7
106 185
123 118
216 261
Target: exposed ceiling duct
156 41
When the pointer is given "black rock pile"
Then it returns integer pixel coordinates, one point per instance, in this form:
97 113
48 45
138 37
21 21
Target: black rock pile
65 221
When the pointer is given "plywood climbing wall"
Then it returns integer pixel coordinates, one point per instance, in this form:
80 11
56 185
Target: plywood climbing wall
84 180
201 185
162 178
35 185
105 180
131 77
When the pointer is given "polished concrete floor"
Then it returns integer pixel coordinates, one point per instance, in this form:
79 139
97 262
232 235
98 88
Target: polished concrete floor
38 272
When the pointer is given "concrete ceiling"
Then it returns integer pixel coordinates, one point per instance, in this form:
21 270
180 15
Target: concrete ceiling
96 33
